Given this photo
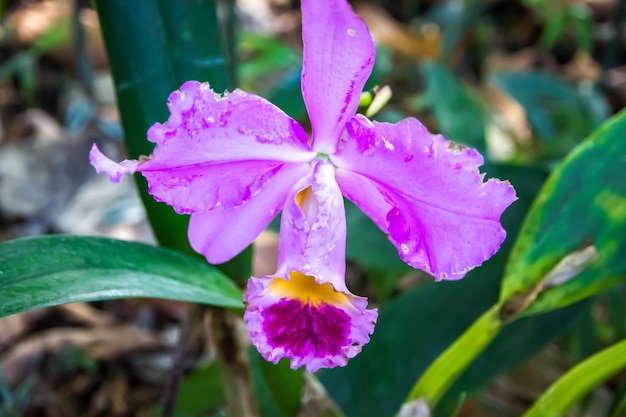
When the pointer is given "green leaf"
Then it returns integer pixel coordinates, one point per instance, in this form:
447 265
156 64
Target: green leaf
264 56
455 19
284 385
53 270
22 66
458 111
579 381
433 383
573 241
583 24
553 30
287 95
199 392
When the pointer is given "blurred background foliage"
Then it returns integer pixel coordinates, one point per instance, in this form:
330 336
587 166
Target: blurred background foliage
523 81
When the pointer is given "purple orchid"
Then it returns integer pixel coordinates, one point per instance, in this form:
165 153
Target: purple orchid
234 162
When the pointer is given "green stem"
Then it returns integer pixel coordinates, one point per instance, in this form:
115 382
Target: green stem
442 373
579 381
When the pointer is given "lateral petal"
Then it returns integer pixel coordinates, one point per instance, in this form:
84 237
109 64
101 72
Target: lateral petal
215 151
431 199
338 58
221 233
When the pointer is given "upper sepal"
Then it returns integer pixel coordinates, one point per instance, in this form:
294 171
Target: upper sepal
339 56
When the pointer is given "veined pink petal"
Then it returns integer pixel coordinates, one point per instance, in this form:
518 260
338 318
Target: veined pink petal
221 233
202 187
338 58
297 317
313 228
215 151
432 200
115 170
219 151
205 127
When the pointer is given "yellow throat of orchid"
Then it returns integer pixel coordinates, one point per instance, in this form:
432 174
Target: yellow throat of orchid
307 290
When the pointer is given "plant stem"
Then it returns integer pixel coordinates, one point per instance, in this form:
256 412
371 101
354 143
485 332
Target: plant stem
189 331
234 363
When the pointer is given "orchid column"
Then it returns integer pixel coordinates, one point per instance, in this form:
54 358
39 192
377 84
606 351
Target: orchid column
234 162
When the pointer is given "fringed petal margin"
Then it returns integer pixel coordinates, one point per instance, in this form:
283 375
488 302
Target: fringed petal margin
115 170
215 151
425 192
308 322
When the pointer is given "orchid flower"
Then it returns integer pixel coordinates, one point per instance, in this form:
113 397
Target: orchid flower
234 161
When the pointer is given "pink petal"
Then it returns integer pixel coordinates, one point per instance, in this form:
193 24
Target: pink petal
322 328
115 170
313 234
431 200
338 59
221 233
216 151
202 187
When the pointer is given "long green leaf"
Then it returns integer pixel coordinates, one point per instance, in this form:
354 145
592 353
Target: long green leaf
433 383
284 384
579 381
459 113
53 270
573 241
153 47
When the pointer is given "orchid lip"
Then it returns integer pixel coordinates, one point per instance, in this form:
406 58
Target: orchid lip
305 319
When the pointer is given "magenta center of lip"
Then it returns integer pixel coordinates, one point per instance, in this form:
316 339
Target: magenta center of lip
303 330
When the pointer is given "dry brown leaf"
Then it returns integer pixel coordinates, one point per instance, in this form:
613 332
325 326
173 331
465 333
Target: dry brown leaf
105 343
12 327
34 124
265 255
583 68
111 399
512 394
521 60
33 21
85 314
510 125
399 37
